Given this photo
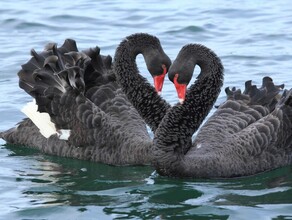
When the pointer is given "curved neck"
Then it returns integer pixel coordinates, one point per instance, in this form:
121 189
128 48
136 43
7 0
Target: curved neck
138 90
173 137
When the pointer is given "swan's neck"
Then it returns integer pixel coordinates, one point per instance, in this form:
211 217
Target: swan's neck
136 87
173 137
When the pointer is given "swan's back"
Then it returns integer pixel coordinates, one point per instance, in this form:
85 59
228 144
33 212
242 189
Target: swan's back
240 110
249 133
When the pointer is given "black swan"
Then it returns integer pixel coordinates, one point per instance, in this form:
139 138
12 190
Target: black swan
80 92
249 133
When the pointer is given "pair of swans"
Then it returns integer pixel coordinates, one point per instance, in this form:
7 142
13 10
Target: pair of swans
103 105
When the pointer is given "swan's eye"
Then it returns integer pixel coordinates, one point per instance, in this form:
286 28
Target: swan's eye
175 77
164 69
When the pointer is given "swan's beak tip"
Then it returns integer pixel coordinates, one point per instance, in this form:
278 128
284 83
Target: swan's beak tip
159 92
181 101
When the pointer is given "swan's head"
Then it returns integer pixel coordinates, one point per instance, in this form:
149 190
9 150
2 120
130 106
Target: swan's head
158 67
180 74
149 46
157 62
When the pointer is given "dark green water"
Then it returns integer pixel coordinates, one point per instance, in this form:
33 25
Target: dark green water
253 39
58 188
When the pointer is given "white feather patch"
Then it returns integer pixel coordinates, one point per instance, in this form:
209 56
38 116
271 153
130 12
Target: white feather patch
41 120
64 134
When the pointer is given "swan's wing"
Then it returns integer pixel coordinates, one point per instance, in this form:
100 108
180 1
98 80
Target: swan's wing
265 144
60 90
88 124
100 81
250 133
240 110
104 91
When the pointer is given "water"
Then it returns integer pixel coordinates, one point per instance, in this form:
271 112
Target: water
253 39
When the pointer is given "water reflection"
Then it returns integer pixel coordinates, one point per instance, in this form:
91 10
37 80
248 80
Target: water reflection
47 184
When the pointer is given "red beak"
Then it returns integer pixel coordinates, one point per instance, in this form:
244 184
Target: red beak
159 80
180 89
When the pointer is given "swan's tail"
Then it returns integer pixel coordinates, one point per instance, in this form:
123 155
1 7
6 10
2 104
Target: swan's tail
285 105
49 75
267 95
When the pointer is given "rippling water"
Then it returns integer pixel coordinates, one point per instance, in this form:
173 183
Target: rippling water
253 39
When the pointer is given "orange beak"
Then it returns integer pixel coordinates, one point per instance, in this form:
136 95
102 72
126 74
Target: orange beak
159 80
180 89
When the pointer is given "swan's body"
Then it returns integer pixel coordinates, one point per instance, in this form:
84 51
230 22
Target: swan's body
80 93
250 133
